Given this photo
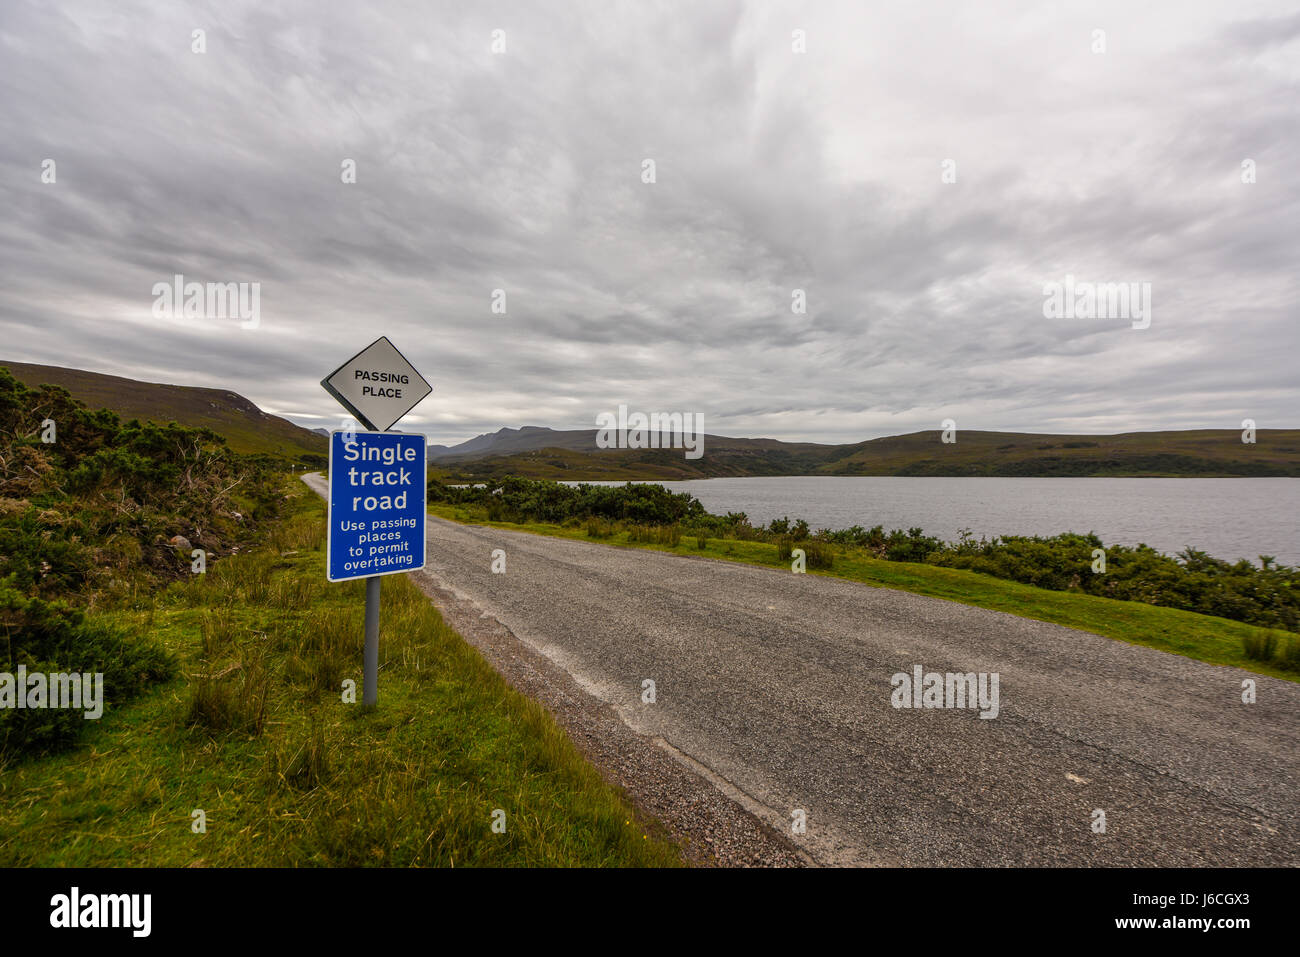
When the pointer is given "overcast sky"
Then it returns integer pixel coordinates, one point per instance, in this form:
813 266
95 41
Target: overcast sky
775 170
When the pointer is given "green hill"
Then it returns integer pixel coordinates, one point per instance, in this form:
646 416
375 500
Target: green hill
246 427
1202 453
1205 453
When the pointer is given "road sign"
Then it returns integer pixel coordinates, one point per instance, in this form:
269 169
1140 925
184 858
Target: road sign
377 385
376 504
378 481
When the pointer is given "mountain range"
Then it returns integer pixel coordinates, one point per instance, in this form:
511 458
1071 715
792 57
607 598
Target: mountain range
539 452
573 455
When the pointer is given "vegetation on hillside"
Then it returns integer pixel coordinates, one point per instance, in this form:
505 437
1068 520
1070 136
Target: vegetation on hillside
88 520
244 426
1203 453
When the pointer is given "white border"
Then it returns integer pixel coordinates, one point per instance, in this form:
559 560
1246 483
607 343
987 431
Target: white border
424 506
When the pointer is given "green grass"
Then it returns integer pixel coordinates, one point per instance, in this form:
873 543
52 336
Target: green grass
1217 641
256 735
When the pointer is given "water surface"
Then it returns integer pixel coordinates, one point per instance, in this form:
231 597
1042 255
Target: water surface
1230 518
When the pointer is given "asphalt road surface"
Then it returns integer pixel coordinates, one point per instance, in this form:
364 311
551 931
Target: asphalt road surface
780 685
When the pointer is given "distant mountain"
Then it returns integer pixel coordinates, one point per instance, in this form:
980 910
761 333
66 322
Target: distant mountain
246 427
505 441
533 438
572 454
548 453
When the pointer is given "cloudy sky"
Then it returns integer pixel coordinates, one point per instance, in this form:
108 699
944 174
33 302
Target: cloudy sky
522 169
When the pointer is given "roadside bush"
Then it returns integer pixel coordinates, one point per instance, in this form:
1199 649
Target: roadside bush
105 500
233 700
872 539
655 534
1290 655
912 547
108 514
816 554
53 638
1260 647
1282 652
797 530
536 500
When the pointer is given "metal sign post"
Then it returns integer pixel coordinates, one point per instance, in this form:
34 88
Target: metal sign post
378 481
370 680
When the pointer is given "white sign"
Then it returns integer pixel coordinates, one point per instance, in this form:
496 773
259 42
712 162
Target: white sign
377 385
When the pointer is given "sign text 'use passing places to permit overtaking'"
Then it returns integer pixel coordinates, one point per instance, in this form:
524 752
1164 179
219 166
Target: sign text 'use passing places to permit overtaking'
376 504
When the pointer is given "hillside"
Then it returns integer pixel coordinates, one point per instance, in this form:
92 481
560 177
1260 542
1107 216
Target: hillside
1204 453
246 427
572 454
532 438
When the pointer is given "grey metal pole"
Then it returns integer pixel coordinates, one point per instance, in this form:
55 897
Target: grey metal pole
370 683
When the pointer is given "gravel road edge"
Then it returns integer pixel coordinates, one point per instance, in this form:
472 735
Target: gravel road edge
713 829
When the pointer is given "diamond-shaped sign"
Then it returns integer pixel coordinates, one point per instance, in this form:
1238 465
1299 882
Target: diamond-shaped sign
377 385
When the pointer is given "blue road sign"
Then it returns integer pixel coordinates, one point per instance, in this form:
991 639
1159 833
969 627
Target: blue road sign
376 504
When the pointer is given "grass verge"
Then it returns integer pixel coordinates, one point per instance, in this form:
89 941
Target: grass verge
1217 641
255 734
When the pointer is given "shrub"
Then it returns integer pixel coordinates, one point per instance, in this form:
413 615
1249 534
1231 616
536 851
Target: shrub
655 534
103 502
1268 595
1260 647
233 700
51 637
912 547
818 554
1289 656
216 632
537 500
598 528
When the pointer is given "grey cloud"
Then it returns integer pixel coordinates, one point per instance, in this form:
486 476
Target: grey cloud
775 171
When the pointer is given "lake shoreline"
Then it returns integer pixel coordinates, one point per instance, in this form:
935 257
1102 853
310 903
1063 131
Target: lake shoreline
1231 519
